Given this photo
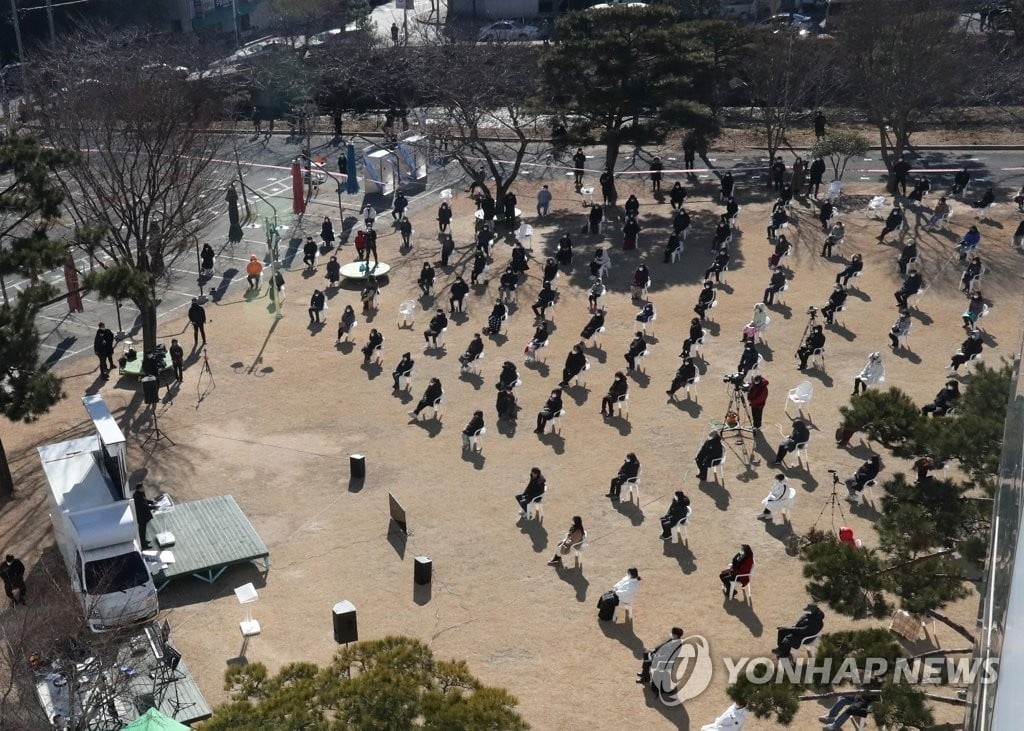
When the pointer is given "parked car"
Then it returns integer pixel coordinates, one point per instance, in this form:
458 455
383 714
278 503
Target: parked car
509 30
789 21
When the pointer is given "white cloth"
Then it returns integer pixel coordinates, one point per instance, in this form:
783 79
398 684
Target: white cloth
733 718
778 491
625 588
873 372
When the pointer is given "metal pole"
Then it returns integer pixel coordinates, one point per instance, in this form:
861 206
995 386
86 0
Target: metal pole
405 20
49 18
234 23
17 33
3 287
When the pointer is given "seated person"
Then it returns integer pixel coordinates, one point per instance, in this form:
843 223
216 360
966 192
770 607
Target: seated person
911 286
786 194
900 328
498 315
534 489
940 213
254 270
825 214
685 375
374 340
908 255
637 346
864 474
851 704
986 200
673 245
600 263
596 292
975 308
333 271
347 322
748 358
641 280
479 265
573 537
564 254
404 368
782 249
872 373
775 285
426 280
545 298
945 400
723 234
856 266
732 209
835 238
739 569
619 389
647 314
711 451
508 379
892 222
970 242
921 188
552 408
430 398
594 219
960 181
575 363
718 266
368 295
632 206
595 323
677 511
663 655
835 300
630 231
475 425
780 488
506 405
696 334
539 340
811 622
483 240
970 348
815 341
629 470
519 263
459 291
705 299
677 196
437 325
681 223
973 269
550 270
473 352
799 435
508 283
779 218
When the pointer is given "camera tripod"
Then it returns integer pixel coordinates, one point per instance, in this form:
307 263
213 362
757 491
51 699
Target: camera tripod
812 320
733 422
205 369
833 501
156 434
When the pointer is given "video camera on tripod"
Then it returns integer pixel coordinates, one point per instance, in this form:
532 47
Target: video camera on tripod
736 380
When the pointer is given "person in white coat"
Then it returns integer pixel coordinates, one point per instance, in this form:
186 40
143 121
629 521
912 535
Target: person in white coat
872 373
735 717
625 588
779 491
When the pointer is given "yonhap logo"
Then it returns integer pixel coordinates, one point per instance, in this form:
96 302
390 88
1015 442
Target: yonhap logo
681 670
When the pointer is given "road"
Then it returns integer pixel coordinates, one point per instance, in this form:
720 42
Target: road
68 336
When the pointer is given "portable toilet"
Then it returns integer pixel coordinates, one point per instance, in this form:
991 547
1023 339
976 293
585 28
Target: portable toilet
379 173
412 152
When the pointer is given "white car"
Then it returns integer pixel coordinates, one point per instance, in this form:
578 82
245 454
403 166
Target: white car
509 30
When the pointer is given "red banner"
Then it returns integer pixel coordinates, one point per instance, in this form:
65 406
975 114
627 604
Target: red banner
298 190
71 280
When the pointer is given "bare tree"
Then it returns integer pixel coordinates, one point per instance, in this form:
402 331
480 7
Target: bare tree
141 189
905 62
783 76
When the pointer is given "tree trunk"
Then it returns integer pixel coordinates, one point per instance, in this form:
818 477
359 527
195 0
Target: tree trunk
958 628
147 311
6 481
613 143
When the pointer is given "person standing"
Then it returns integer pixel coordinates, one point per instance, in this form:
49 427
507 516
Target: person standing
206 258
103 347
394 33
579 160
197 316
143 512
543 202
12 572
327 232
757 397
177 360
817 172
656 168
778 173
900 172
799 171
819 124
689 151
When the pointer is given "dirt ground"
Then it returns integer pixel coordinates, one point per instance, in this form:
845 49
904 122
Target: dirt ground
286 407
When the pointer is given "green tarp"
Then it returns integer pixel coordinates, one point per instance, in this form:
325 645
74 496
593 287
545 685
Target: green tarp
153 720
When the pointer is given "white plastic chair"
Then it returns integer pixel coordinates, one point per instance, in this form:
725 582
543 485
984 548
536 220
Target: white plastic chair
835 189
378 354
735 585
476 443
801 454
674 256
474 366
809 644
535 508
580 380
718 468
648 326
555 422
638 360
783 505
405 380
697 345
691 385
632 486
576 553
436 407
587 192
408 312
680 531
916 297
625 610
532 352
818 358
982 214
876 206
869 488
446 195
525 235
593 338
620 405
801 396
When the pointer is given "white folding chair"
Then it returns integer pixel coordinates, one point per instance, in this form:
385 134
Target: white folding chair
691 386
697 345
476 441
474 366
801 396
593 338
408 312
648 326
809 644
718 468
405 380
818 358
638 360
555 422
436 407
737 585
783 505
525 235
680 531
535 508
632 486
876 206
801 454
587 193
580 379
446 195
835 189
378 354
625 610
576 553
620 405
983 214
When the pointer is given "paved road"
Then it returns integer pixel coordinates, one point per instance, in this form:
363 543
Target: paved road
68 336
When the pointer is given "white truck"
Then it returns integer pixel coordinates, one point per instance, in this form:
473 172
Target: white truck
94 523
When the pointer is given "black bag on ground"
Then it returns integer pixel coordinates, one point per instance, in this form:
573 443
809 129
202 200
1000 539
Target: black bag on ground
606 606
